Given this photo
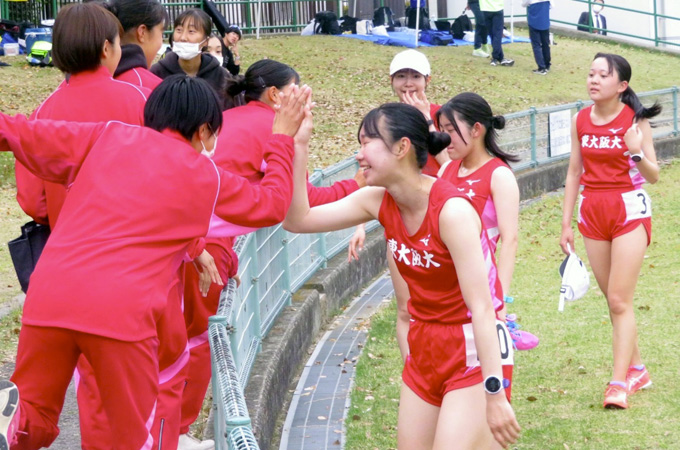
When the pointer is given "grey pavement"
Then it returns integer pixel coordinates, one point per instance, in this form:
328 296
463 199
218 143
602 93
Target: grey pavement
69 427
317 412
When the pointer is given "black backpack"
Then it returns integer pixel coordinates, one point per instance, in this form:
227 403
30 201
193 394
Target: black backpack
326 23
460 26
384 16
424 18
349 23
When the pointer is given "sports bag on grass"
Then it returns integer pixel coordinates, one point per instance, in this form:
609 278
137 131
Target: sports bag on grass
460 26
26 250
327 23
435 37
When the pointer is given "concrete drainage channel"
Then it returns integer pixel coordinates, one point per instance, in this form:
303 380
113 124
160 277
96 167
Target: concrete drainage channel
320 402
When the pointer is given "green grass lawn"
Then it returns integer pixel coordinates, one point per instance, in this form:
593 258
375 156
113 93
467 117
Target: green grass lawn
558 387
350 77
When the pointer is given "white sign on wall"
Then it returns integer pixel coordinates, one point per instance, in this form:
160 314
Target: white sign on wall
559 126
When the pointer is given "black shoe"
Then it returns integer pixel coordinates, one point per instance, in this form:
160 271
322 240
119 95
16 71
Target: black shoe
507 62
540 71
495 62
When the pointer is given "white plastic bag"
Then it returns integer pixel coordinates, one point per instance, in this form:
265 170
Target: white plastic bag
364 27
380 30
309 29
575 279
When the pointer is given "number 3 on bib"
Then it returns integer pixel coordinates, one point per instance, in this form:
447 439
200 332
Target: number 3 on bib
638 204
504 342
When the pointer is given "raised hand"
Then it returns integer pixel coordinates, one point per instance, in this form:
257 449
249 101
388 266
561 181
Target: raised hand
291 112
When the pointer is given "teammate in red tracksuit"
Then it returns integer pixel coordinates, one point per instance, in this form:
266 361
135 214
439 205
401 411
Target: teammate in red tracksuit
612 155
240 151
436 240
104 277
141 40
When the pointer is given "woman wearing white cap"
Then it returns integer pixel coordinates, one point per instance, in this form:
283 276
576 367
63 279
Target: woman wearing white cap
409 75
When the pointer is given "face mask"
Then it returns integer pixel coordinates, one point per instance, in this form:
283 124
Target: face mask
597 8
220 59
210 153
186 50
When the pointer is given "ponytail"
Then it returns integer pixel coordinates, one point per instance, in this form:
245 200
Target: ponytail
471 108
437 141
623 70
630 98
261 75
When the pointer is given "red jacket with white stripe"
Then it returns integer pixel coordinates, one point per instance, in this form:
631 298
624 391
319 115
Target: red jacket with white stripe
91 96
139 200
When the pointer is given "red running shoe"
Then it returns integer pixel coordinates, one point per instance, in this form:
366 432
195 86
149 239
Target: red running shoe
615 397
637 379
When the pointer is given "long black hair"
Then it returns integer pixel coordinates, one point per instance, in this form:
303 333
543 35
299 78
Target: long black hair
393 121
472 108
629 97
261 75
183 103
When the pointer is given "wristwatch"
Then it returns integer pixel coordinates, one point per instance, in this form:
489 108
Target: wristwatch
430 122
493 385
637 157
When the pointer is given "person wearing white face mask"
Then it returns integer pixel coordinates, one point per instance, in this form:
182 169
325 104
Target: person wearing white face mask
214 47
190 36
596 20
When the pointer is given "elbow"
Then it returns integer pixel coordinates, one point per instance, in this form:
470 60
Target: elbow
653 178
291 226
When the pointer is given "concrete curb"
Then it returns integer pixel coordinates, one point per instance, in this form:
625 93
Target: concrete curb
285 349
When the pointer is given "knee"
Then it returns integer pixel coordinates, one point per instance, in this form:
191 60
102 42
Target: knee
618 304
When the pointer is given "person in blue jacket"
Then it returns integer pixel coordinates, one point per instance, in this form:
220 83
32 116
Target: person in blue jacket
538 18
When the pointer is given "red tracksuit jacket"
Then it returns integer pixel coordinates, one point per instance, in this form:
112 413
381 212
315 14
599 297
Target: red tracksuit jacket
91 96
140 198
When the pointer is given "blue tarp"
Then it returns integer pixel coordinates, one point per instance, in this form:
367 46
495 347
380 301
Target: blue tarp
401 39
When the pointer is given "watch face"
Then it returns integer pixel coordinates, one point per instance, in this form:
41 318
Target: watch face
637 158
492 384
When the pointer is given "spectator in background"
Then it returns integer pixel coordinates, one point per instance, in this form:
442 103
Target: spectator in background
493 15
538 18
481 34
232 60
596 20
191 31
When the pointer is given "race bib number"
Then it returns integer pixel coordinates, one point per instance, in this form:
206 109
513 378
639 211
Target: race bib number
504 341
638 204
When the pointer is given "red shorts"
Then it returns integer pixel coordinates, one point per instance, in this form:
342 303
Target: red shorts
606 215
443 358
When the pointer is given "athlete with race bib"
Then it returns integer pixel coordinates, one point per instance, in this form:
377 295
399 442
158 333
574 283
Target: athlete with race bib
612 156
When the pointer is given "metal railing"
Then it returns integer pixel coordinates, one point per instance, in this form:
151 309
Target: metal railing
274 263
636 15
281 16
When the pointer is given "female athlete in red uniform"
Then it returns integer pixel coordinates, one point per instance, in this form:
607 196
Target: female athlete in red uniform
612 155
429 226
104 277
479 168
410 75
